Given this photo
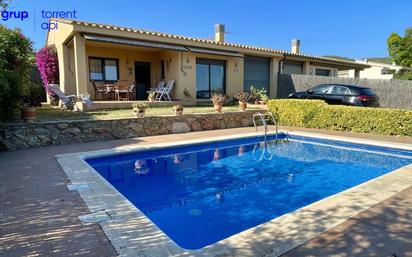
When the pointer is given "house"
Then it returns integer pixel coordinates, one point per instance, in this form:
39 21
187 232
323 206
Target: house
107 53
377 70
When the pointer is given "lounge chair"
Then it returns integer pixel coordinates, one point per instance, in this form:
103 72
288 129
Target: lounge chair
69 101
164 92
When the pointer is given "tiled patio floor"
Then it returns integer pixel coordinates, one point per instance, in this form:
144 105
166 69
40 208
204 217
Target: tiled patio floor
39 215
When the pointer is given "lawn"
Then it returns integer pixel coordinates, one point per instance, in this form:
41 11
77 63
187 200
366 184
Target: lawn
49 113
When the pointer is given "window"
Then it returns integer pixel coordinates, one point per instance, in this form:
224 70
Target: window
366 91
322 72
386 71
104 69
340 90
290 67
321 89
210 77
256 72
96 71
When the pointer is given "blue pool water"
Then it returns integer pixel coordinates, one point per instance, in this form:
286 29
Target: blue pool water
201 194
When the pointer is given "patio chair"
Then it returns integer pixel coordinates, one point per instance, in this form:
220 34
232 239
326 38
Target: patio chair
164 92
159 86
99 90
69 101
124 87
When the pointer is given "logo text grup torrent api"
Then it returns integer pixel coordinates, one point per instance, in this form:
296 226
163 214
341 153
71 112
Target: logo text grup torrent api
44 14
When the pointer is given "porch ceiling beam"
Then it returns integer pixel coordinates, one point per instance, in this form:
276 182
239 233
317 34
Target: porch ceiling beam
132 42
216 52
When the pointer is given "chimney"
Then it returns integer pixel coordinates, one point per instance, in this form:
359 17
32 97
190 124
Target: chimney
220 33
295 46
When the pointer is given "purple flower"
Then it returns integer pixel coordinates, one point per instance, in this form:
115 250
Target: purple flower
48 66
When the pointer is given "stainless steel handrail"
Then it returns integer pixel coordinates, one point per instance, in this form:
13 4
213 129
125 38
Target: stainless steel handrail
268 116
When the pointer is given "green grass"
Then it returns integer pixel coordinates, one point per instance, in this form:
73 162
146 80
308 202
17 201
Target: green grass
52 114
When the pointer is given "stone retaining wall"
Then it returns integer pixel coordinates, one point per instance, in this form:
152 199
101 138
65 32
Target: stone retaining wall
15 136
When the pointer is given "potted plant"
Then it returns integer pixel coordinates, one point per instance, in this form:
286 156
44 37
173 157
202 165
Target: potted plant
139 109
264 98
243 97
178 109
152 96
30 100
218 99
254 94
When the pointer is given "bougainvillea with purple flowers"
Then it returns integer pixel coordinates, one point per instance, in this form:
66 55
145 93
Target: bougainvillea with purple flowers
48 65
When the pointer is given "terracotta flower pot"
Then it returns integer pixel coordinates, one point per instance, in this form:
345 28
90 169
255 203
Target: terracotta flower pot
218 107
242 106
139 113
28 114
178 112
54 101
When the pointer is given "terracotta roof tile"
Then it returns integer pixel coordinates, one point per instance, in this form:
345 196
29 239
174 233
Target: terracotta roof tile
159 34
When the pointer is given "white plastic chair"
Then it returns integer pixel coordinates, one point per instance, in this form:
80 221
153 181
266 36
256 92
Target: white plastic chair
164 92
160 85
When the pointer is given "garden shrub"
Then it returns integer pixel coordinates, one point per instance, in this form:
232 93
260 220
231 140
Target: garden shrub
317 114
15 63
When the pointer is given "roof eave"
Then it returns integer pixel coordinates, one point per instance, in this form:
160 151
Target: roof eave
321 60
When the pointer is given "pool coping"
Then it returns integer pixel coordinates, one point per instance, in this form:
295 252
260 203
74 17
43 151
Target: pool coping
133 234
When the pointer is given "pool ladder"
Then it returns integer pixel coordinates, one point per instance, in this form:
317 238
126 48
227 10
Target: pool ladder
265 118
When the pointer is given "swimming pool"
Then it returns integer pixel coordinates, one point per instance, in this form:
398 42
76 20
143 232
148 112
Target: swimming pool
200 194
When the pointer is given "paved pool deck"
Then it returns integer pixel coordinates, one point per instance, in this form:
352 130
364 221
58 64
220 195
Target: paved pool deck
39 215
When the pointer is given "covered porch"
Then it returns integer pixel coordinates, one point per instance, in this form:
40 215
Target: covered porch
97 66
93 63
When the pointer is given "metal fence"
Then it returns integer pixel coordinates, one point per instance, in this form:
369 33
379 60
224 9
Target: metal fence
392 93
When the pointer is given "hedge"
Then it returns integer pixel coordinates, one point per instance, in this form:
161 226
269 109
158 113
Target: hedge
318 114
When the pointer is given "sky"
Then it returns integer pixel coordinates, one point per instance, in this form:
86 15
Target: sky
350 28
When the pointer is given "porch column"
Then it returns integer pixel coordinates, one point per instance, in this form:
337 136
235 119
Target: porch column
274 73
80 65
306 68
357 74
62 54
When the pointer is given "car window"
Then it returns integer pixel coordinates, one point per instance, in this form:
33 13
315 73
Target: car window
366 91
322 89
340 90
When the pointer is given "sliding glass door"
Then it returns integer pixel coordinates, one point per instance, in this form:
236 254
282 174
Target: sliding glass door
210 77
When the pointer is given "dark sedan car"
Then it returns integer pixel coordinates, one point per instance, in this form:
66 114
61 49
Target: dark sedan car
340 94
